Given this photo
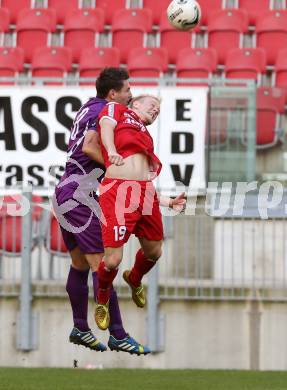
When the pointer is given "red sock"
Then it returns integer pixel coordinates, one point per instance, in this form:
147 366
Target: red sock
105 279
141 267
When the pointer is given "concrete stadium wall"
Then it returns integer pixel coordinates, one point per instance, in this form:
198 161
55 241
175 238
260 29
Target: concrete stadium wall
207 335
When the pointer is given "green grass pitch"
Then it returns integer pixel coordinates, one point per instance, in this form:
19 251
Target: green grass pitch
118 379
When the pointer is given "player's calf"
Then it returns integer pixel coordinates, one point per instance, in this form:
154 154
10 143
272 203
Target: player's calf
105 281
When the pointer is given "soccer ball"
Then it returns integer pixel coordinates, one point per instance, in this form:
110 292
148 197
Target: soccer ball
184 14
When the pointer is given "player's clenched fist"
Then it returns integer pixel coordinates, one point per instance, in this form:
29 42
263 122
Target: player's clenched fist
178 203
115 158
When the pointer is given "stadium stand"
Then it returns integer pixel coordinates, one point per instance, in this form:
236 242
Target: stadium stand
81 27
109 11
173 40
147 62
246 63
130 28
4 19
271 33
280 73
128 37
196 63
254 8
15 6
51 62
93 59
54 241
11 225
10 235
208 7
225 31
4 23
61 7
11 62
270 108
157 8
34 26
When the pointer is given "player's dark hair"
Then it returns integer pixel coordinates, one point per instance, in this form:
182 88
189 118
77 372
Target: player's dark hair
110 78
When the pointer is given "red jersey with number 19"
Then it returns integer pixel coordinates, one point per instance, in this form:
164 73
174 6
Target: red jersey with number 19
130 135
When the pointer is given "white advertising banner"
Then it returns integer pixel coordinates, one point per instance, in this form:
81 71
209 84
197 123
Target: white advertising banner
35 123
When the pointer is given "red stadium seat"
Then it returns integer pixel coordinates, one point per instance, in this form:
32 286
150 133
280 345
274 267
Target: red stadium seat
33 28
173 40
147 62
10 235
225 31
4 19
11 225
61 7
4 23
51 62
55 243
93 60
15 6
196 63
280 79
157 7
254 8
245 63
129 29
11 62
81 27
270 106
208 7
271 33
109 10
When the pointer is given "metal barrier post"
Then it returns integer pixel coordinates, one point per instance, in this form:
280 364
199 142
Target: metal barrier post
155 322
1 265
25 321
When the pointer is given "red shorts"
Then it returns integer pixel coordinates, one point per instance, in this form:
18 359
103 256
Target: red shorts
129 207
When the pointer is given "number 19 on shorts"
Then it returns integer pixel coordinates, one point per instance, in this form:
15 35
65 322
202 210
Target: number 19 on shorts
120 232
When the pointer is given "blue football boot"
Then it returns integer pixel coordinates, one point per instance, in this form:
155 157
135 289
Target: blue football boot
128 344
87 339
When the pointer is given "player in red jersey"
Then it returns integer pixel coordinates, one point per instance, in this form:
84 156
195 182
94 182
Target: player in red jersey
128 198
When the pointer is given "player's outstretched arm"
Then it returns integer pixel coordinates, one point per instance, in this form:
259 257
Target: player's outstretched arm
91 146
107 134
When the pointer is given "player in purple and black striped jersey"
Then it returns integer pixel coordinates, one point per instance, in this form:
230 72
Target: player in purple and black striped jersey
76 207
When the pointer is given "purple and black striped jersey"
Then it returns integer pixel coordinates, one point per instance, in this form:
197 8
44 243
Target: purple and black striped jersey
85 120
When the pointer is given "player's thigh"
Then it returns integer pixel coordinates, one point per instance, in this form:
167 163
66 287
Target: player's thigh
89 240
152 249
94 260
149 231
83 226
78 259
113 256
117 222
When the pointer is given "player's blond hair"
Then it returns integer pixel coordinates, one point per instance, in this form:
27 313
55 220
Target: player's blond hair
141 97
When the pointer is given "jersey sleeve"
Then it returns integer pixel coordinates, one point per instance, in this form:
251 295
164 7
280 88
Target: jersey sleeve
111 111
92 124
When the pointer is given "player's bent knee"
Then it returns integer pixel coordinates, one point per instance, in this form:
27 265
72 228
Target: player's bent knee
113 261
80 264
154 254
